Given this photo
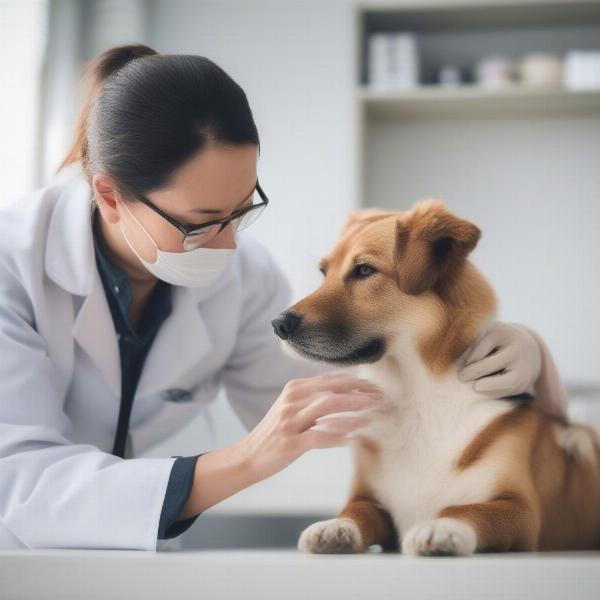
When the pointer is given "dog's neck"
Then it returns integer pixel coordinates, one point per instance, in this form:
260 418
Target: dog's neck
427 353
402 372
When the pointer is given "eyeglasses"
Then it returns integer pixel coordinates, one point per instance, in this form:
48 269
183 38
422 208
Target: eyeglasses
195 236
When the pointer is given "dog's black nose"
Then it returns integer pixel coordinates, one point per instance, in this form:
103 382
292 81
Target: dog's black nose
285 324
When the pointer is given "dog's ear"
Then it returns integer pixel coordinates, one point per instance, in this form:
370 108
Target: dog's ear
431 246
362 217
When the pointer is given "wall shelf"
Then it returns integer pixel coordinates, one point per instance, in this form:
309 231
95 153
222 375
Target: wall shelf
473 100
459 33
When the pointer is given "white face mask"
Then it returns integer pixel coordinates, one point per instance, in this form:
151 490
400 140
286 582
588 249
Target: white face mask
194 268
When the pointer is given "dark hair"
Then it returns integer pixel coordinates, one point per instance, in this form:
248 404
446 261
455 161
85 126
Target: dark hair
146 114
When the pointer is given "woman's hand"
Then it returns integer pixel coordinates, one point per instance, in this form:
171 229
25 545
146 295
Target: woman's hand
287 431
517 356
289 428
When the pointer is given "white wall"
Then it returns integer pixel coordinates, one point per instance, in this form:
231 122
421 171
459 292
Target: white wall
22 45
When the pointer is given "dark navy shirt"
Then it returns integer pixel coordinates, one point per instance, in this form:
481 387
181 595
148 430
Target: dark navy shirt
134 345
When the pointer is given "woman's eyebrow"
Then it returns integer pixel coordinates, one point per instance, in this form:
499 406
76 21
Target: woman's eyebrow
214 211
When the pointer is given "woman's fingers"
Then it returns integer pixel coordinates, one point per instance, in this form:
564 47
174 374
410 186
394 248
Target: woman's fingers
340 424
311 440
329 403
482 348
485 366
505 384
307 401
339 383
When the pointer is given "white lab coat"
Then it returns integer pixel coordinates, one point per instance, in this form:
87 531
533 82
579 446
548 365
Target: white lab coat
60 375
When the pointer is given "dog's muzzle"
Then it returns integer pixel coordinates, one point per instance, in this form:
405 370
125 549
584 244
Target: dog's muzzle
327 341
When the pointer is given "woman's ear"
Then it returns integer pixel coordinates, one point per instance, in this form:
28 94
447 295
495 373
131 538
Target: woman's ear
432 245
106 196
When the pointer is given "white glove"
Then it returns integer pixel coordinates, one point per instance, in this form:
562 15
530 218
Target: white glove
518 357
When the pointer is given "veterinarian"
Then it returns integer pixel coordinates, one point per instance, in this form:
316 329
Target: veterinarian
129 293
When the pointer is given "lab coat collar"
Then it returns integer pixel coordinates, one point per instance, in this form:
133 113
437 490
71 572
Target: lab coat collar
181 342
69 247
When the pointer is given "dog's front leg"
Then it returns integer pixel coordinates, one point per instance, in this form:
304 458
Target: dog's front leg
507 523
361 523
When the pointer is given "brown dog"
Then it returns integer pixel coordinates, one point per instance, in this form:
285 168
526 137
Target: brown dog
447 470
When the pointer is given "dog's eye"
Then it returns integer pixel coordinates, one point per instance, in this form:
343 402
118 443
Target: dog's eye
362 270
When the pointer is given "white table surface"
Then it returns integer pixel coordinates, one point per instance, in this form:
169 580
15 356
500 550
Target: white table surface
289 575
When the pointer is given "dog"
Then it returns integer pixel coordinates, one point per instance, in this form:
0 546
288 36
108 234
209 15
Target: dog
445 470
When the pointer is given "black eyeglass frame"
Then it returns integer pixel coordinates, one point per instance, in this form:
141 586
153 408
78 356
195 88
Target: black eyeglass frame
187 229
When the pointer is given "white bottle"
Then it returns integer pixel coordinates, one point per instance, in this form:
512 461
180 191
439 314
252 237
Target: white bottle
393 61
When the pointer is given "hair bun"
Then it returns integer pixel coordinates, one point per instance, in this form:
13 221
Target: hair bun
96 72
113 59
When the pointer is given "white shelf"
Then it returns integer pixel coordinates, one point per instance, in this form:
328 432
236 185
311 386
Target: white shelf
458 15
477 101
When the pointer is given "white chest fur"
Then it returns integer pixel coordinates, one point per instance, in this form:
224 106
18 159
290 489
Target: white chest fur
430 423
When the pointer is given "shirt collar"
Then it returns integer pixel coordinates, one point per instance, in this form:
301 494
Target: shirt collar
118 286
113 275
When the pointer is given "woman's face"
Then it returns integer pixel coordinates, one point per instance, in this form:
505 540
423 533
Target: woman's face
216 182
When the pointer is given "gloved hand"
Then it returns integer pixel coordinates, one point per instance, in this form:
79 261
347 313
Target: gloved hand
517 354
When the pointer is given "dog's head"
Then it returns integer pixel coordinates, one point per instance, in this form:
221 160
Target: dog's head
389 273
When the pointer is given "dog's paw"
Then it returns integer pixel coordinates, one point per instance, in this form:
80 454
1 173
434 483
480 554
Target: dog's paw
443 536
578 441
334 536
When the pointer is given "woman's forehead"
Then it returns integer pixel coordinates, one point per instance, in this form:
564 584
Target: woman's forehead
214 181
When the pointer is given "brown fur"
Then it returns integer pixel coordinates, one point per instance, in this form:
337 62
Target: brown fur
488 435
550 502
373 521
456 330
508 522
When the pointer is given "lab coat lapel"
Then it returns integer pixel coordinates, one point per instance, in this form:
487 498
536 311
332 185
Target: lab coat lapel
70 262
94 331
